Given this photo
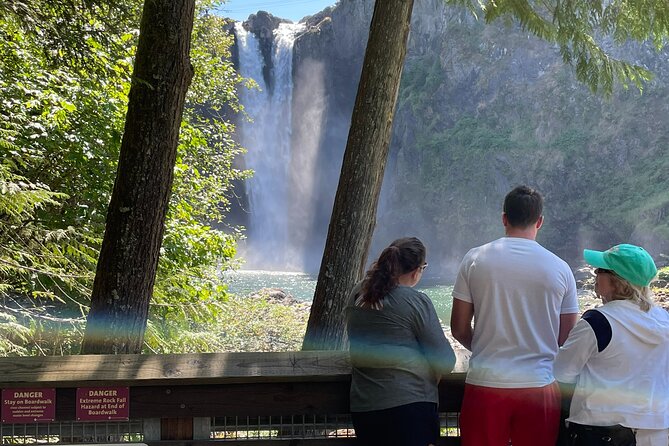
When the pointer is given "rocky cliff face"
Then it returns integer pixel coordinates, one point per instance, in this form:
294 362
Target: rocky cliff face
483 108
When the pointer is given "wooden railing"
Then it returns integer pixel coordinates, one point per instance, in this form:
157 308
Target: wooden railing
296 398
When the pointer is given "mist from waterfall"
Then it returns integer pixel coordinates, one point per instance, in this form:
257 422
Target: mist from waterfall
268 142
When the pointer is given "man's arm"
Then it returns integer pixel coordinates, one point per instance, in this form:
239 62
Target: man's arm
567 322
569 308
461 322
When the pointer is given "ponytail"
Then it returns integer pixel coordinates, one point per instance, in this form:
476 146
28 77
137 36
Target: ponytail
402 256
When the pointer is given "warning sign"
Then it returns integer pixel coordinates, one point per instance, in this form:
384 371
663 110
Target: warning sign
28 405
102 403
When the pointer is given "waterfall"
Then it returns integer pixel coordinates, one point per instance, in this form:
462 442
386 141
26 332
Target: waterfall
268 142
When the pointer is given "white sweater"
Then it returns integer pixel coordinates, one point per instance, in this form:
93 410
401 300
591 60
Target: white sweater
627 382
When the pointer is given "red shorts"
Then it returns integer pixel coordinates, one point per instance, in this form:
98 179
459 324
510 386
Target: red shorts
491 416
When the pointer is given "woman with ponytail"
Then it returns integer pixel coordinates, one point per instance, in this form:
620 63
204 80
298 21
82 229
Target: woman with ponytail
398 351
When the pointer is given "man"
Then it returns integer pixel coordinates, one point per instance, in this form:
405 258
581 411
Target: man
523 301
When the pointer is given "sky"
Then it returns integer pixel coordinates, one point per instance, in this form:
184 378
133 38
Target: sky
239 10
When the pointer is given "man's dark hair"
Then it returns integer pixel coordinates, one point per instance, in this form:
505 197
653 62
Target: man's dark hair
523 206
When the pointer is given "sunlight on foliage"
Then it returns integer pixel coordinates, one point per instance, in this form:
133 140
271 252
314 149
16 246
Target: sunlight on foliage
256 324
64 97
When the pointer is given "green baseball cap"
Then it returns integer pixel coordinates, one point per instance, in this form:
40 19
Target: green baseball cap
632 263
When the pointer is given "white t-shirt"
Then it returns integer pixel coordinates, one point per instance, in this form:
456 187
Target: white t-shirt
519 289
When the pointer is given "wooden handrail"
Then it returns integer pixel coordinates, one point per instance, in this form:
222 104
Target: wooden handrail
181 369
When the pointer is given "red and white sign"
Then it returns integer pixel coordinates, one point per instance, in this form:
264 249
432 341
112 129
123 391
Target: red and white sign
103 403
28 405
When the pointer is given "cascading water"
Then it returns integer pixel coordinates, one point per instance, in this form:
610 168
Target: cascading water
268 142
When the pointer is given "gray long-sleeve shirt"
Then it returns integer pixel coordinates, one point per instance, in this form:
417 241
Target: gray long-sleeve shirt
397 353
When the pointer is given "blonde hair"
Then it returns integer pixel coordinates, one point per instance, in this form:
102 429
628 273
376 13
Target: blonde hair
623 290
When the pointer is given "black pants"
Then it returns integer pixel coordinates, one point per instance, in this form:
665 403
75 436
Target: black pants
580 435
415 424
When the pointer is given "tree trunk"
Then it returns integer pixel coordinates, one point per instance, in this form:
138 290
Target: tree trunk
128 260
354 212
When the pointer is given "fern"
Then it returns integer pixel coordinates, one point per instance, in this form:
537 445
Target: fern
37 266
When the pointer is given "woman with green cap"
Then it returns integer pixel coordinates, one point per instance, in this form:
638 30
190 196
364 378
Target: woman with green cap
618 357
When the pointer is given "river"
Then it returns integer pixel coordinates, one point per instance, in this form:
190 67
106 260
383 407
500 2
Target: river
301 286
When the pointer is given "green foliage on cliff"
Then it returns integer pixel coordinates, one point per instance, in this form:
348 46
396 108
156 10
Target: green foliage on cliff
511 113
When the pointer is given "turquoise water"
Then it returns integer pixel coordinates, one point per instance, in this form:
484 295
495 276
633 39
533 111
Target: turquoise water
301 286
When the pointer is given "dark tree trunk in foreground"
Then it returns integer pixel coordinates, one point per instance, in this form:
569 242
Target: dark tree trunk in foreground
354 212
128 260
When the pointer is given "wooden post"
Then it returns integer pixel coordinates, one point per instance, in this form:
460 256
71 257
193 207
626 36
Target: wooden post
176 428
